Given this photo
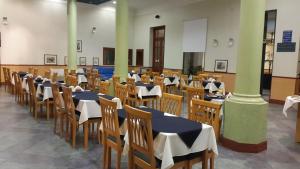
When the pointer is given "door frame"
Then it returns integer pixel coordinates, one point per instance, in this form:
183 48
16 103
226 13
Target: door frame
153 46
264 48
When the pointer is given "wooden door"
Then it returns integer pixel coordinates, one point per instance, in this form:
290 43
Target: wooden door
140 57
158 48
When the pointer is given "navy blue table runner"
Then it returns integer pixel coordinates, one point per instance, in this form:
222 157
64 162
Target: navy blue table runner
218 84
171 79
87 95
186 129
148 86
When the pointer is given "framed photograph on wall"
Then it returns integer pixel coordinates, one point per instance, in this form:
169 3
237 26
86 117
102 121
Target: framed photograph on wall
221 66
82 61
50 59
79 46
95 61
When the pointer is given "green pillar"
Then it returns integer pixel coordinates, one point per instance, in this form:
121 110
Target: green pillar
121 58
72 35
245 112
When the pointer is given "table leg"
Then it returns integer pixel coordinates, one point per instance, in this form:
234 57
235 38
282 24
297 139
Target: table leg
86 135
298 125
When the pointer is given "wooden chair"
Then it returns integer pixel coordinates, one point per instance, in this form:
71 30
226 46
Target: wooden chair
171 103
116 79
34 100
35 72
193 92
184 82
197 82
7 80
111 132
203 76
30 70
71 118
73 72
71 80
104 87
54 77
141 140
155 74
121 92
167 73
145 79
22 95
59 113
208 113
16 87
47 75
91 78
66 73
160 82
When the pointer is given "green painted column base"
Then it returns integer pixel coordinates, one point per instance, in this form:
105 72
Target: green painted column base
245 119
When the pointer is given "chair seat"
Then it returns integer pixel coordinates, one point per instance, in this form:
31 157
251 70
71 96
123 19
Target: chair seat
114 139
146 158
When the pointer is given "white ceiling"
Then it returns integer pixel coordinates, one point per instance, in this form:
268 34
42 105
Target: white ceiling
142 4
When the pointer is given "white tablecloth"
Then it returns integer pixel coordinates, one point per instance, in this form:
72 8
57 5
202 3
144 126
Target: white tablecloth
168 145
81 79
135 76
167 81
290 101
91 109
47 92
142 91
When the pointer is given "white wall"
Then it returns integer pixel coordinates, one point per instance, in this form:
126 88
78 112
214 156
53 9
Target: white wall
36 27
285 64
223 23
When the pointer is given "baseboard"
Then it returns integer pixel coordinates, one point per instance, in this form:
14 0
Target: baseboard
242 147
274 101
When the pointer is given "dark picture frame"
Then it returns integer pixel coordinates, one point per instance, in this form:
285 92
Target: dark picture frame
50 59
95 61
221 66
79 46
82 61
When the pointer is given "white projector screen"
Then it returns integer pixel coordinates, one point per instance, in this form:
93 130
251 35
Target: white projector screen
194 35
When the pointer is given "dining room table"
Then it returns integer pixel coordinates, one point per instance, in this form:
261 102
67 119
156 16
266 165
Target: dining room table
293 102
87 105
174 137
135 76
147 89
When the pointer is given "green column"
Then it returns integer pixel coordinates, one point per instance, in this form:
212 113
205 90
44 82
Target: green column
121 58
72 35
245 112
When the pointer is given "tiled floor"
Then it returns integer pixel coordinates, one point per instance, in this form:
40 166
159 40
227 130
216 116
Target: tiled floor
29 144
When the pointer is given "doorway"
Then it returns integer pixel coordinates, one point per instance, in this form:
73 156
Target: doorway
158 46
268 53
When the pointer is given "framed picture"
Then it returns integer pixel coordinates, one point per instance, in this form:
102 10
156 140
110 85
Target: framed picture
66 60
95 61
221 65
82 61
50 59
79 46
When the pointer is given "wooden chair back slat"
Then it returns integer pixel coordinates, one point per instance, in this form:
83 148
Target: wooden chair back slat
171 103
104 87
193 92
121 92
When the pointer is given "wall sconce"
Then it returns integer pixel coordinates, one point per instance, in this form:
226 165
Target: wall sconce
230 42
94 30
215 43
4 20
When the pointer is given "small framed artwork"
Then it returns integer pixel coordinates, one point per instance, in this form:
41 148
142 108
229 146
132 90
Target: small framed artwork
50 59
82 61
221 65
95 61
79 46
66 60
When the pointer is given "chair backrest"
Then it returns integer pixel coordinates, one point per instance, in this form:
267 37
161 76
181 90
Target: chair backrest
192 92
206 112
159 81
32 90
203 76
184 81
56 97
145 78
171 103
110 121
72 80
116 79
47 75
8 75
69 104
197 82
121 92
73 72
140 134
54 77
104 87
35 72
91 78
131 87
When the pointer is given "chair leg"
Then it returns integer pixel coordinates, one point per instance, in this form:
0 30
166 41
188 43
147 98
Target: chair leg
47 108
73 135
212 162
62 117
67 129
119 159
55 123
108 157
105 157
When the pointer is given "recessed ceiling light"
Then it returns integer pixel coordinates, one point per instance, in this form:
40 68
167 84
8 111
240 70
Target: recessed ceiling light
114 2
